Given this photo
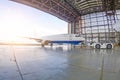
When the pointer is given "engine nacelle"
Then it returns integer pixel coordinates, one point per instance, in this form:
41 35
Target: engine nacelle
46 42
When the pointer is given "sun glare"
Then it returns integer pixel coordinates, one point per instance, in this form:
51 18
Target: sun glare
13 25
18 21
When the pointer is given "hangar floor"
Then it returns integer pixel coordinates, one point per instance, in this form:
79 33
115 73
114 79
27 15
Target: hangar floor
35 63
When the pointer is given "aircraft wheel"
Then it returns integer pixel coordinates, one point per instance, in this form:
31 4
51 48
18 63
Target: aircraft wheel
42 45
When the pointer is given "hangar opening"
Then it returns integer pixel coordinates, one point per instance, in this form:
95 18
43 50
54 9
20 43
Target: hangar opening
95 21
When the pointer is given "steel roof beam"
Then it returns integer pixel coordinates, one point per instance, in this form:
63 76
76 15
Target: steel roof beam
73 8
69 10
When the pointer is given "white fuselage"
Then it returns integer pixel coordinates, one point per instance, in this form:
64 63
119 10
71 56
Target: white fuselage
64 37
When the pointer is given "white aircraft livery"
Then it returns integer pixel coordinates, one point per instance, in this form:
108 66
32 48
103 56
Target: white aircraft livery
60 39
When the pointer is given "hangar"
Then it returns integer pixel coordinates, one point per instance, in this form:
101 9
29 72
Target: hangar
95 19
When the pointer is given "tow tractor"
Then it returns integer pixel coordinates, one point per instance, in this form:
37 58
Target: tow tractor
98 45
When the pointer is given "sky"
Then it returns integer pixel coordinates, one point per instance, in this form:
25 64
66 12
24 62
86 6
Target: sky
18 20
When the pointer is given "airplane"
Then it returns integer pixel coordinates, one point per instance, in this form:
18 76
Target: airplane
60 39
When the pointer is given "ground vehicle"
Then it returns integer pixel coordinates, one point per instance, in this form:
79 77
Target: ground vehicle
102 45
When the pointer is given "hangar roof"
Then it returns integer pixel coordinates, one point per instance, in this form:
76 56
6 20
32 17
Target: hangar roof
70 10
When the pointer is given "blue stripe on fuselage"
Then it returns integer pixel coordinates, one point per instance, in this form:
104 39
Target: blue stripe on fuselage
66 42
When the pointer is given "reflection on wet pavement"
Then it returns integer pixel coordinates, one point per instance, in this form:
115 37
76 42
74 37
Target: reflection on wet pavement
57 63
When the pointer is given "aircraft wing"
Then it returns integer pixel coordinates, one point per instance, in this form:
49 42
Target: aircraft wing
36 39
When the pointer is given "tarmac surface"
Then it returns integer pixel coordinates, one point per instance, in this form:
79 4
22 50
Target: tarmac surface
58 63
